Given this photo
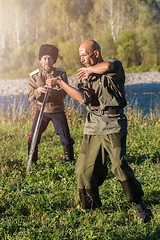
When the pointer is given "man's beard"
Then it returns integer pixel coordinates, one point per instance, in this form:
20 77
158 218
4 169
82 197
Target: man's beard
47 68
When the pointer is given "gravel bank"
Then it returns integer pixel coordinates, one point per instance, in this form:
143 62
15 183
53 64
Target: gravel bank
19 86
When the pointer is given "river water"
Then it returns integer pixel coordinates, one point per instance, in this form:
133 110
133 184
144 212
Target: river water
146 96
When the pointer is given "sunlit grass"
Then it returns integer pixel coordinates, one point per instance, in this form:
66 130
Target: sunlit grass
43 203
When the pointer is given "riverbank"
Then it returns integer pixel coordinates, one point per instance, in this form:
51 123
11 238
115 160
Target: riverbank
19 86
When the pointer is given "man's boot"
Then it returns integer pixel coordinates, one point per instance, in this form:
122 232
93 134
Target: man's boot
141 211
133 191
35 155
90 198
68 153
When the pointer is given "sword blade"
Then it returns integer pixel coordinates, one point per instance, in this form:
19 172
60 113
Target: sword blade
36 132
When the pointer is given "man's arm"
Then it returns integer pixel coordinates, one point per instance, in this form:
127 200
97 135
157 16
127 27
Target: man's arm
99 68
57 93
33 91
83 73
73 92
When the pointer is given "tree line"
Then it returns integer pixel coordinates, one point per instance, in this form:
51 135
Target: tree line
126 29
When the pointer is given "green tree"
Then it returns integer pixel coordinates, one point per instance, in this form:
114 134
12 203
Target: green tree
56 18
25 25
145 33
108 46
69 56
110 14
127 50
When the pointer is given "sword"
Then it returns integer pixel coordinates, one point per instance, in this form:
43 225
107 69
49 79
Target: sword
36 132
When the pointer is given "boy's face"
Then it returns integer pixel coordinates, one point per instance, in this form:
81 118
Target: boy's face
47 62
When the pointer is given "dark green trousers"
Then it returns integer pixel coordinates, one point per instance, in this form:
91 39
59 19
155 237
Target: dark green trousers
91 168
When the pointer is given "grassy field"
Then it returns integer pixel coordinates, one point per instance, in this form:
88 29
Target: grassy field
43 203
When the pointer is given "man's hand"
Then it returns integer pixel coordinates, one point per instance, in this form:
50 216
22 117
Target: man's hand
99 68
83 73
52 82
42 89
73 92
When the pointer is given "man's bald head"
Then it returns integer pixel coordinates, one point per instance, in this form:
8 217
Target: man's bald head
90 46
90 52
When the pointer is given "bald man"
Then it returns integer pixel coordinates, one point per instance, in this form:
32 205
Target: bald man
102 92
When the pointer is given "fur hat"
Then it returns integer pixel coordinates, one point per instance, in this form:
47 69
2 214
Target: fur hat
50 50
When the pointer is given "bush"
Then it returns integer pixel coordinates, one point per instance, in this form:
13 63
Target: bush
127 51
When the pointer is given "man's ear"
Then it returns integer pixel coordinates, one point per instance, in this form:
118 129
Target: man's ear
96 53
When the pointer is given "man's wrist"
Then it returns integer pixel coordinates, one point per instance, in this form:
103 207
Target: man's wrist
59 80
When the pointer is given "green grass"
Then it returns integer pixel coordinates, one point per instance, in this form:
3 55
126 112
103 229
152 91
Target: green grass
43 204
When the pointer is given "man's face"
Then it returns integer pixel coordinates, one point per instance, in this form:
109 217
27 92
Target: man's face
47 62
88 58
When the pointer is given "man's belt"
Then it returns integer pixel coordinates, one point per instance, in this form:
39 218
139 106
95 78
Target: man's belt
50 104
109 111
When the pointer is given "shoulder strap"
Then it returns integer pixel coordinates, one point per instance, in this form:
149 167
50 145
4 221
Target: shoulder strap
34 72
60 69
